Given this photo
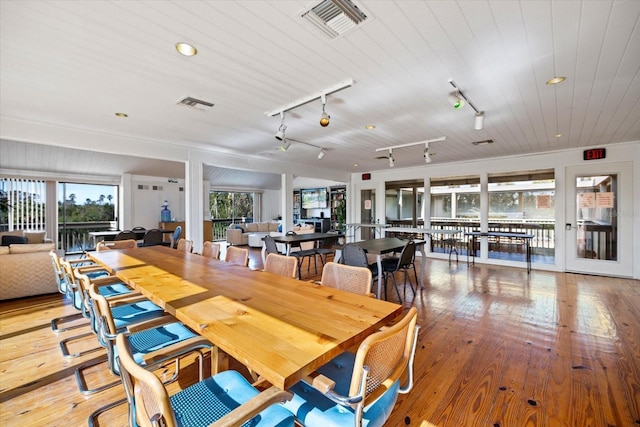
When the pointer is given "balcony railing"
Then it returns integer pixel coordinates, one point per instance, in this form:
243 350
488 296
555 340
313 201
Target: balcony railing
542 244
74 237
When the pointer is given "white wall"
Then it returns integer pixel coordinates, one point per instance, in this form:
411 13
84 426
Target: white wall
147 201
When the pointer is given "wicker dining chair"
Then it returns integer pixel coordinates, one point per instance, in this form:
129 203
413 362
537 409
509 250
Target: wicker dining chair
211 250
361 388
116 244
280 264
348 278
236 255
185 245
225 399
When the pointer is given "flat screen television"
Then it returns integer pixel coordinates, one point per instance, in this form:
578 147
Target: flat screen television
314 198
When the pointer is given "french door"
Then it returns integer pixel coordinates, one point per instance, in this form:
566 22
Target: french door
598 226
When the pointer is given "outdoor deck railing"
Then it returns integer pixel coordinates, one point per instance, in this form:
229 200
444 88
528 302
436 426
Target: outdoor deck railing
543 242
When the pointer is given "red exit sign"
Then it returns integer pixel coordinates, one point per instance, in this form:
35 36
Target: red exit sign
595 154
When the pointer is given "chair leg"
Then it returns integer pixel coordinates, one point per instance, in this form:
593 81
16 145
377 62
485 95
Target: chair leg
395 285
65 349
55 323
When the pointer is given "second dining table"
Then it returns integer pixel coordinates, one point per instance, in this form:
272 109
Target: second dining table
279 327
387 245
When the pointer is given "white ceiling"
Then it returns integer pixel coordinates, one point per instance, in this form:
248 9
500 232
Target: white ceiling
74 64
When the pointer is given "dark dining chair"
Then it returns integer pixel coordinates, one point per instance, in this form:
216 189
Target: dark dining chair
405 262
152 237
126 235
301 254
354 255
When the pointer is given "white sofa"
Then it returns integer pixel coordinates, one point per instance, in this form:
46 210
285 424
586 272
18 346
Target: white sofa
238 234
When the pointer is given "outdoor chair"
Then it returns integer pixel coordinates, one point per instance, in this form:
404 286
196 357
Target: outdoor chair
225 399
362 388
348 278
280 264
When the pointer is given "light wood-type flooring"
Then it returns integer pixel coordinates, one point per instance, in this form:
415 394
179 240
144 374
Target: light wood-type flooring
497 347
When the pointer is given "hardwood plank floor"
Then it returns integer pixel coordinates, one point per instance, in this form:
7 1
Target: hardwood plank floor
497 347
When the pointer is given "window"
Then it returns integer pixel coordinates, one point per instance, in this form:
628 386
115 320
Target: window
83 208
455 199
229 207
523 202
22 204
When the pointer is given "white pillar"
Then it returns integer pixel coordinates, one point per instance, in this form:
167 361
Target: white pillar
194 206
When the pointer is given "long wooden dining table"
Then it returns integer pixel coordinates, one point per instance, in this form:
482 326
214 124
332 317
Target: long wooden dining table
279 327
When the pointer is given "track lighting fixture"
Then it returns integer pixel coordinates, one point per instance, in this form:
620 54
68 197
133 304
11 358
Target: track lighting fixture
321 154
458 94
479 121
318 95
281 129
456 100
285 145
427 157
324 118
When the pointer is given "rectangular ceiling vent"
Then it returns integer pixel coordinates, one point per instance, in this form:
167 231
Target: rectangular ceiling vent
196 104
335 17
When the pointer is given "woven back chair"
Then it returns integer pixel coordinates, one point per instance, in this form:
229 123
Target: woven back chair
361 386
116 244
185 245
348 278
211 250
280 264
236 255
205 403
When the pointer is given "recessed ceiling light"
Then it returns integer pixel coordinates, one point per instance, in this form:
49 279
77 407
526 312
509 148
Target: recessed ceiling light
558 135
355 165
369 127
556 80
186 49
122 115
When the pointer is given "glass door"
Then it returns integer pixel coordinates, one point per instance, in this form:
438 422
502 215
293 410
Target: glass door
367 214
597 230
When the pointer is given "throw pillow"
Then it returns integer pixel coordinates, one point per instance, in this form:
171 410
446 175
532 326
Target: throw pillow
13 240
35 236
280 228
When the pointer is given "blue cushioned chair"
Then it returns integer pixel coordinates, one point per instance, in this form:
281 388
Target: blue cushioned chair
225 399
360 389
155 339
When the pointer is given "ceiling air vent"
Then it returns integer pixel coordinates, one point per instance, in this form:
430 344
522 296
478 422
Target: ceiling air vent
483 142
196 104
335 17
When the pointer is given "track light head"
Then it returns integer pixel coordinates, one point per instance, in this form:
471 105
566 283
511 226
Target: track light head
479 121
324 118
321 154
285 145
281 129
391 159
456 100
427 157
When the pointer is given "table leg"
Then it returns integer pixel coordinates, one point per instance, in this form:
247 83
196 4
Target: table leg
263 251
422 262
379 262
288 248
